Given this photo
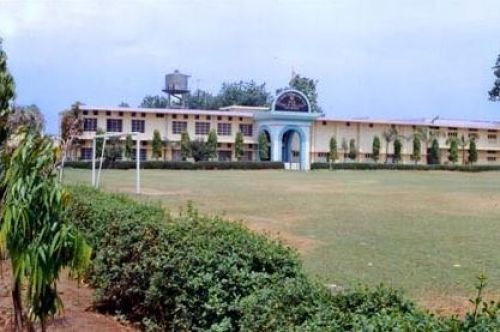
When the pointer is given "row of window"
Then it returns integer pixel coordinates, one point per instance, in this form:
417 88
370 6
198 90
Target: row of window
178 127
161 115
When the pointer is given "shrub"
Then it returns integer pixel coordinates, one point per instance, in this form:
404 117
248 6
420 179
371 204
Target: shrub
198 273
373 166
205 165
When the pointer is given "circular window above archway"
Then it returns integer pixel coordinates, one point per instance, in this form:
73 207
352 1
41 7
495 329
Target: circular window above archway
291 101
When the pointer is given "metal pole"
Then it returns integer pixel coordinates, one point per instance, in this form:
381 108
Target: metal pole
100 163
137 167
93 162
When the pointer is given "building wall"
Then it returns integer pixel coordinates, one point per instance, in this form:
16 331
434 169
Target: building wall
362 131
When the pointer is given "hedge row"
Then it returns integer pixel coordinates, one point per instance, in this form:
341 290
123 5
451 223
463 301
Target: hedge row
195 273
375 166
205 165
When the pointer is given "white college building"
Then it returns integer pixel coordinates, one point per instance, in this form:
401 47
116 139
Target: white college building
296 135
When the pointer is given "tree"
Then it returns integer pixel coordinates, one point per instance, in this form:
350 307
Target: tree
263 147
212 144
200 150
352 149
71 128
416 154
243 93
239 146
34 230
308 87
7 94
389 135
157 145
203 100
453 151
332 154
397 150
494 93
472 152
113 149
123 104
434 156
26 116
345 148
154 102
185 146
129 147
99 143
376 148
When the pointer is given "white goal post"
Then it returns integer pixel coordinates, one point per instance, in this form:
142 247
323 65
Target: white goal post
96 178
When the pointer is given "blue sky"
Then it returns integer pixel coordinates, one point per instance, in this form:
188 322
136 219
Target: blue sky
380 59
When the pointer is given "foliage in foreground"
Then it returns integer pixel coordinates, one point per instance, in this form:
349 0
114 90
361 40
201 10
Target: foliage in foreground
204 165
199 273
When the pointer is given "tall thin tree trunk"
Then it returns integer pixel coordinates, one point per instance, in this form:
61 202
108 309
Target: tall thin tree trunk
18 305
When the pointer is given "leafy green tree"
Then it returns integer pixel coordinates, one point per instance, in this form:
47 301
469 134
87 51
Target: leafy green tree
212 144
7 94
71 128
376 148
123 104
453 151
345 148
308 87
352 149
243 93
157 145
38 238
397 150
239 146
495 91
129 147
472 152
204 100
185 146
434 156
417 153
154 102
263 147
389 135
114 150
200 151
462 143
99 142
333 154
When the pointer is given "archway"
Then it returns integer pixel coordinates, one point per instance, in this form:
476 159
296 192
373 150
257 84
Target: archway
292 152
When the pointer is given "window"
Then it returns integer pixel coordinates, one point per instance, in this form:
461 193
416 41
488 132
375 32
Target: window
224 155
160 115
142 154
492 151
472 129
452 128
492 137
452 134
241 119
248 156
114 125
90 124
224 129
174 116
492 131
86 153
186 116
322 154
95 112
144 143
228 145
219 118
196 117
134 114
473 135
108 113
120 113
201 128
371 125
85 112
230 118
348 124
143 115
491 158
138 126
324 123
246 129
178 127
368 155
208 117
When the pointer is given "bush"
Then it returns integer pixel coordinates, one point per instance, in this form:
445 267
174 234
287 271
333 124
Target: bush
196 273
375 166
186 165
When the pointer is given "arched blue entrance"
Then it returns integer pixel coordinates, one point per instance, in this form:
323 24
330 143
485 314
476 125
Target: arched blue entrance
293 147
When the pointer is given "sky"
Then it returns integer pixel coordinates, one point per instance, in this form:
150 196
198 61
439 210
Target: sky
379 59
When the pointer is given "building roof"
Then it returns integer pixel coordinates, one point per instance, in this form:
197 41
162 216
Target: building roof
248 112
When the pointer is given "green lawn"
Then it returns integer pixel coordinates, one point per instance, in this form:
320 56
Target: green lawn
429 233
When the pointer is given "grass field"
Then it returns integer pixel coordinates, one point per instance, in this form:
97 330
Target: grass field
429 233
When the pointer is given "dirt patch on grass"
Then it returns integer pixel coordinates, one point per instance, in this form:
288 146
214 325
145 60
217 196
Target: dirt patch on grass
77 315
449 305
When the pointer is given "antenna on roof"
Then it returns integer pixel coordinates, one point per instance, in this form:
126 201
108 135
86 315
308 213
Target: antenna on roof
435 119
